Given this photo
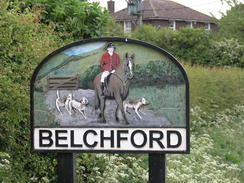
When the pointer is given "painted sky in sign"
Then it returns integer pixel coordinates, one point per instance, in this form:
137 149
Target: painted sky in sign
85 48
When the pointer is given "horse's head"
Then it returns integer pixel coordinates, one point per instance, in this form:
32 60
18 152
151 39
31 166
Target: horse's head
129 65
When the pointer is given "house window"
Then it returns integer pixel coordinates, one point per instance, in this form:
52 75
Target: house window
189 24
127 26
172 24
207 26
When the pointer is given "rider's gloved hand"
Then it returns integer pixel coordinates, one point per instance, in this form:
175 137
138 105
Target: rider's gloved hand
112 71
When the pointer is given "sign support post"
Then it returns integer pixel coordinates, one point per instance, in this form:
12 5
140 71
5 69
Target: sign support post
66 168
157 168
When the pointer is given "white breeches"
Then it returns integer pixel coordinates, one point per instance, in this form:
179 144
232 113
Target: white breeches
104 75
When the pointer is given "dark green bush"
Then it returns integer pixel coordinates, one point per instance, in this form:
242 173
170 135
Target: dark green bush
228 52
113 29
75 19
152 73
196 46
156 73
188 44
193 45
23 43
89 75
231 24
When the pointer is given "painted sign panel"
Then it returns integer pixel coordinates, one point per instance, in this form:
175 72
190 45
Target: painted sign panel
110 86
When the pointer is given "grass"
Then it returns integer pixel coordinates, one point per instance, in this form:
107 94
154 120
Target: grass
215 89
168 100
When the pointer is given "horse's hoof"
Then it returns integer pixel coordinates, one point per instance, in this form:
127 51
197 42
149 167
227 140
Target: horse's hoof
101 121
127 123
117 119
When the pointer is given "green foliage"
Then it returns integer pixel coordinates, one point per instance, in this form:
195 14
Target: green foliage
89 75
162 37
194 45
201 165
225 129
108 168
152 73
145 33
156 72
166 100
72 19
187 43
5 167
113 29
228 52
215 89
23 43
231 24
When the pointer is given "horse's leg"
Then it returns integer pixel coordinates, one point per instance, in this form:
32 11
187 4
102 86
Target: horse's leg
96 100
116 113
119 101
102 107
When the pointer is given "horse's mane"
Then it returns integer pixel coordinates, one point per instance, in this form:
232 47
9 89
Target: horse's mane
120 70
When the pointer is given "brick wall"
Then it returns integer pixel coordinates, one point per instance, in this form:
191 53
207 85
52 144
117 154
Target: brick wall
180 24
161 23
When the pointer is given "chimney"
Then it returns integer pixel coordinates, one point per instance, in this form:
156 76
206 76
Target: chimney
111 6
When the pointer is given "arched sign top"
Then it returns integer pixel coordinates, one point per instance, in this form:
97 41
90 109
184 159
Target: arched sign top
96 87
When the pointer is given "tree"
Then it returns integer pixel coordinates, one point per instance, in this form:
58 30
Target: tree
75 19
231 25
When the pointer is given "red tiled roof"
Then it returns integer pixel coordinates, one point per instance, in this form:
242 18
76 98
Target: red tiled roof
164 9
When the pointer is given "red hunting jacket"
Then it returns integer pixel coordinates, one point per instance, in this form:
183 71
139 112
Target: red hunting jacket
109 63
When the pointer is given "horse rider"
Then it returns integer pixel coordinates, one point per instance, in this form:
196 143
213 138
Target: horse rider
109 63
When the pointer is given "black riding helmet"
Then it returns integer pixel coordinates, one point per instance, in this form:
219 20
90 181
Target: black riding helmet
110 45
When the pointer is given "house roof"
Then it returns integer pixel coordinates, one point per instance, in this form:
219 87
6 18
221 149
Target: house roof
164 9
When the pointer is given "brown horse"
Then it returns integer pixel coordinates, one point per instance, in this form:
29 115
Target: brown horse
117 88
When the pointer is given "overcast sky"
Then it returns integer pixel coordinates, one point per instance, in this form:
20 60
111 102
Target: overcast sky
204 6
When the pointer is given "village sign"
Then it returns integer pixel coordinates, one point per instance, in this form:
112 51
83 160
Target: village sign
110 95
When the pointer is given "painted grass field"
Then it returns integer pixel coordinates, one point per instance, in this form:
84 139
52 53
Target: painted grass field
217 123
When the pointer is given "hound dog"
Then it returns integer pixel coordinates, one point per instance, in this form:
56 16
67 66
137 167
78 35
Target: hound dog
78 105
136 105
63 102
